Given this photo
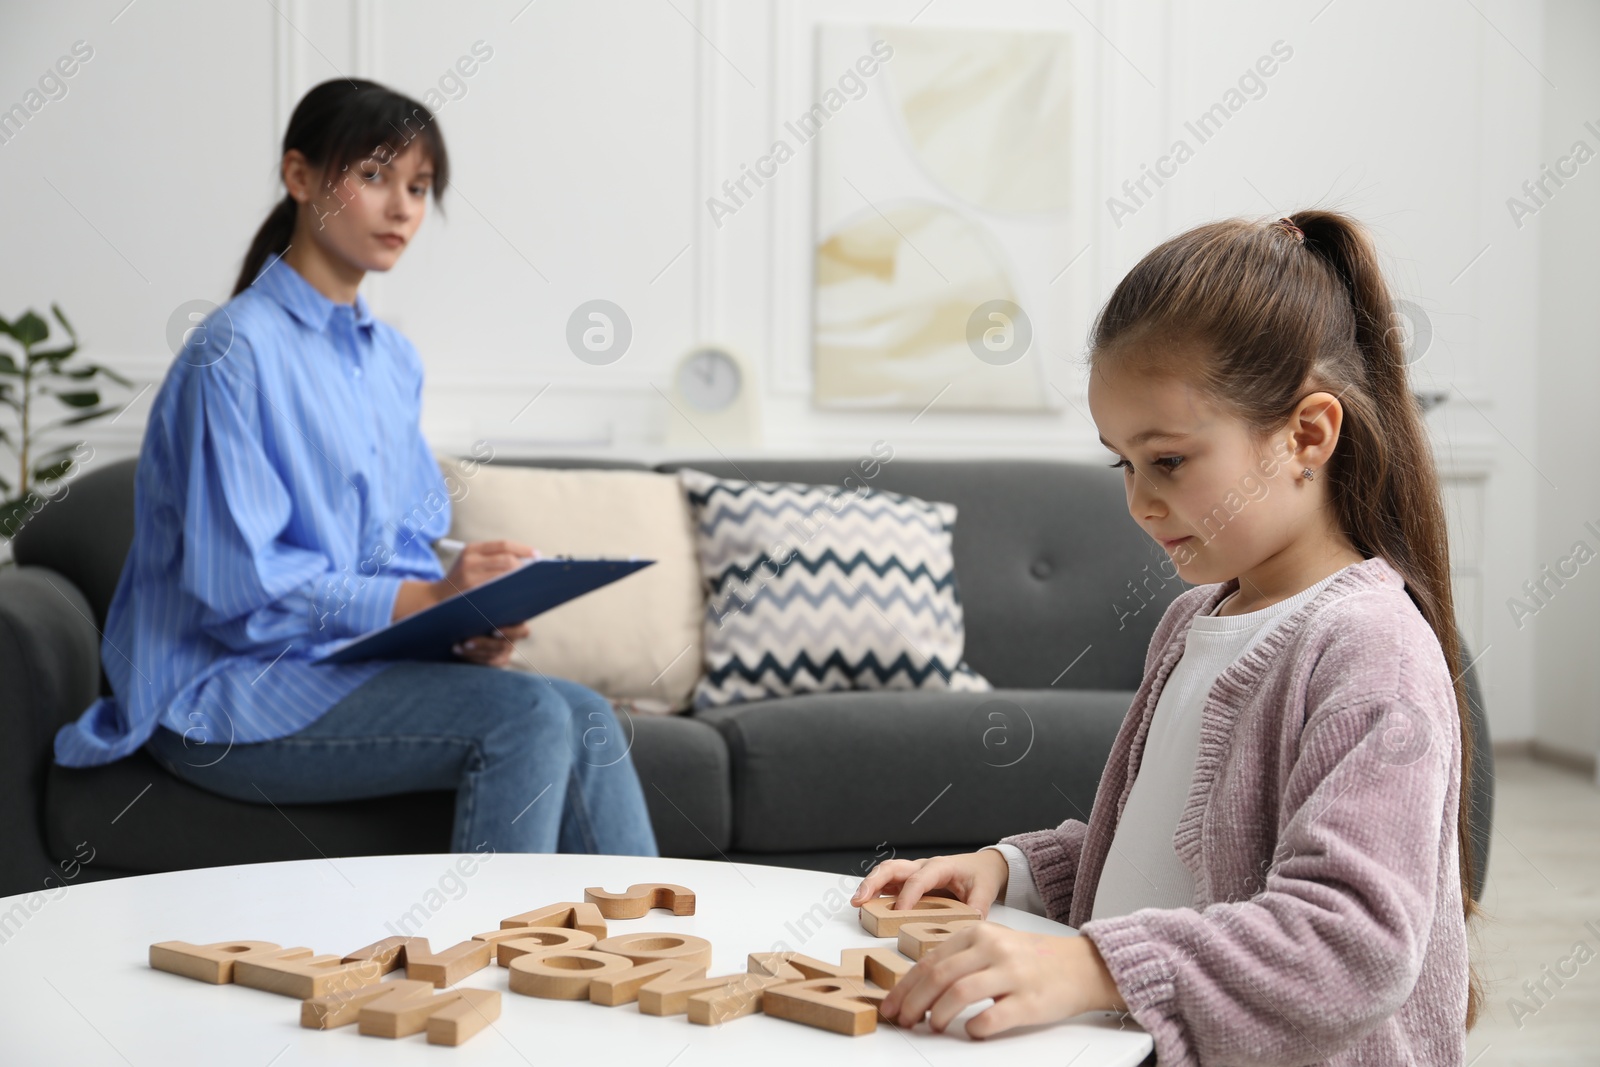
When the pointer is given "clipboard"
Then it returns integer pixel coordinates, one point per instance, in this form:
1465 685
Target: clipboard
530 589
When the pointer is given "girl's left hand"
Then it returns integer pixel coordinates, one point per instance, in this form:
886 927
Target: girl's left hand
493 649
1033 978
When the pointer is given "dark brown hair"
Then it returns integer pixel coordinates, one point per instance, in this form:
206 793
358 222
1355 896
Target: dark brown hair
340 122
1272 317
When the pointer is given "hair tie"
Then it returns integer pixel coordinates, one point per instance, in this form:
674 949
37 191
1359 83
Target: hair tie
1289 224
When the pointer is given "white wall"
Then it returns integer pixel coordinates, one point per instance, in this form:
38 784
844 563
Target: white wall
585 148
1566 632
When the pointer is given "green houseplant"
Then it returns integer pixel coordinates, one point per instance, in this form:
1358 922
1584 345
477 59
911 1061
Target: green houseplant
42 371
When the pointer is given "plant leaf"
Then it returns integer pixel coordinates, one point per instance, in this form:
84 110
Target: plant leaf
30 329
74 420
8 365
54 355
61 317
89 370
81 399
13 514
52 472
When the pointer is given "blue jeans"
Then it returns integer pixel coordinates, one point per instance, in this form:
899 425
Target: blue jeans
538 764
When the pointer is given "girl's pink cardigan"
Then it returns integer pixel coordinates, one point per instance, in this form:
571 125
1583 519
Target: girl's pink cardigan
1321 832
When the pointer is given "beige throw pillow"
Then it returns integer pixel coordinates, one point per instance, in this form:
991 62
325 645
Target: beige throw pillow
637 640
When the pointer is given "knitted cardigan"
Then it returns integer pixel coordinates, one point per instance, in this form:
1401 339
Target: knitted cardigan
1320 828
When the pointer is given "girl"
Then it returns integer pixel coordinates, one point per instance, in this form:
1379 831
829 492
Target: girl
285 500
1274 867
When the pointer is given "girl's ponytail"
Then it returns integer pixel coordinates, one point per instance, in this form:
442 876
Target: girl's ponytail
1386 489
273 237
338 123
1279 309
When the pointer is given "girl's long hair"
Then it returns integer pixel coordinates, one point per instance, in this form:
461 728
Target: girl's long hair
336 125
1276 317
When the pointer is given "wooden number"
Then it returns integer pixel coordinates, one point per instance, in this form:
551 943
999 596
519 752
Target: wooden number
640 898
333 1010
214 962
647 948
669 994
879 918
539 940
843 1005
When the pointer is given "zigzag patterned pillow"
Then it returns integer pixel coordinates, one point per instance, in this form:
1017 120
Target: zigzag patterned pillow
812 587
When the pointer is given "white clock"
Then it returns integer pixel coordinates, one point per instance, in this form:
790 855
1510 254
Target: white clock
715 397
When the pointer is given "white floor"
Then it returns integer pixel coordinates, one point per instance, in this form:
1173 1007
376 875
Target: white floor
1543 886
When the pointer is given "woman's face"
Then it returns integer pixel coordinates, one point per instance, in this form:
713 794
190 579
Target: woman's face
367 214
1206 478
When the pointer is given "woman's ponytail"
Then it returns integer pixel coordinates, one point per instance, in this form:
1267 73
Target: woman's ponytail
273 237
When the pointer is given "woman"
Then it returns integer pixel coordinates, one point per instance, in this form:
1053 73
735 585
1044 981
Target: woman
285 501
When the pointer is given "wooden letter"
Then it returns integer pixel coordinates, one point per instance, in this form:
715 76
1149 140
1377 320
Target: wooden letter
917 938
623 988
214 962
333 1010
843 1005
305 977
879 918
563 975
717 1006
669 994
641 898
408 1007
388 953
448 967
883 966
585 917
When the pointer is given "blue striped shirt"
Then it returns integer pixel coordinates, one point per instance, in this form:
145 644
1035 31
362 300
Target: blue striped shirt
284 490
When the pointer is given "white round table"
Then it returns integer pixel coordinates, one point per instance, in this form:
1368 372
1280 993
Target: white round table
78 989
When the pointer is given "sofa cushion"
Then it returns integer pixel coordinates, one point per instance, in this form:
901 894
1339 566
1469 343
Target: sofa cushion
813 588
1050 562
851 770
638 640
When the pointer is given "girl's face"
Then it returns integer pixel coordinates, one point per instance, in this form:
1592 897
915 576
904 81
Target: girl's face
367 214
1216 498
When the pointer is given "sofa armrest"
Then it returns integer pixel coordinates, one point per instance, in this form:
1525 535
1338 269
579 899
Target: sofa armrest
50 670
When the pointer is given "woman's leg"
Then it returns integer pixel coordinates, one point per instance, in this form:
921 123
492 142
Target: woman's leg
605 808
506 742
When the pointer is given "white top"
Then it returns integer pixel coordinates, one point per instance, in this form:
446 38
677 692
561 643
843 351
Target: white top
1142 869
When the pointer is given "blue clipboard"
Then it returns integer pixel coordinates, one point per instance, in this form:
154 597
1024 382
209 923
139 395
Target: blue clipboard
509 598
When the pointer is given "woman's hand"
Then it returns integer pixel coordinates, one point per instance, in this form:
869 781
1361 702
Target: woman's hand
975 878
1033 978
494 649
480 561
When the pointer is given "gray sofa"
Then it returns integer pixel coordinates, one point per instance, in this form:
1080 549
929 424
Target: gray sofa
1061 594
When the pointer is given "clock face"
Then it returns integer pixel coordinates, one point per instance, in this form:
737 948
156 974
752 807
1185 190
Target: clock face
709 379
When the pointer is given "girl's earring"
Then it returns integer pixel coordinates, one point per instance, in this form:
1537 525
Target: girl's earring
1308 473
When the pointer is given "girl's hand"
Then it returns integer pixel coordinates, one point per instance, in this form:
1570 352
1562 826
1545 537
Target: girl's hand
1033 978
975 878
494 649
